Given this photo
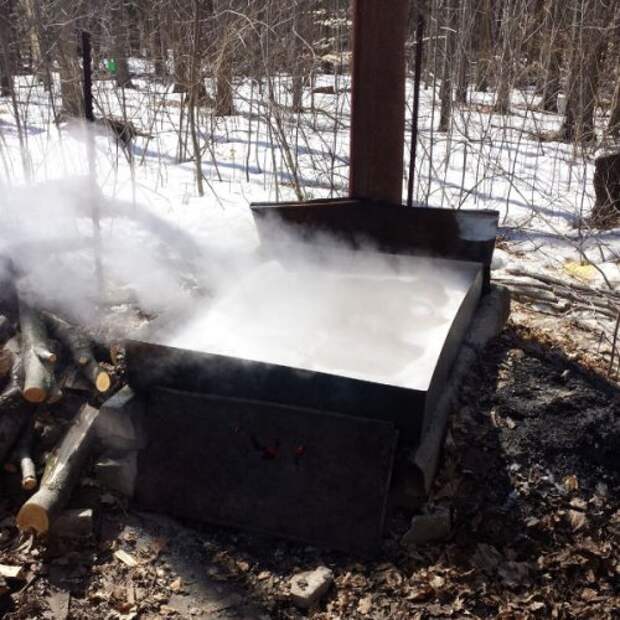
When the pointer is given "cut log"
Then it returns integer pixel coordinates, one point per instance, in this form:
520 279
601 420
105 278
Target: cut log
62 471
81 350
14 410
23 456
37 355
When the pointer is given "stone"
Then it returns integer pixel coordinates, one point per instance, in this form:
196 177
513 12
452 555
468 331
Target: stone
428 528
309 587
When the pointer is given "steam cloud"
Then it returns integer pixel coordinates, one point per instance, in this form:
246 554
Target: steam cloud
321 306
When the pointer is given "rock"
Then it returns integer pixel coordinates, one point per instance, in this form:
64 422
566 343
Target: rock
428 528
308 587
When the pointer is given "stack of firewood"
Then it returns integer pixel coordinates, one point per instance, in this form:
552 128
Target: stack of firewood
39 350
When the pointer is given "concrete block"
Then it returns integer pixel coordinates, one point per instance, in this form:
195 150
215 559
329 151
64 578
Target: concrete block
309 587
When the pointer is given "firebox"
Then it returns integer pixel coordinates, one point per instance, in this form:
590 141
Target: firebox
288 422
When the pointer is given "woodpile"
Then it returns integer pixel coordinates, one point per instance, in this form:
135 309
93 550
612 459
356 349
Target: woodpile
40 355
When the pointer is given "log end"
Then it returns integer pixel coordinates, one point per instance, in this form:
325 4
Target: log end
29 483
34 394
33 517
103 381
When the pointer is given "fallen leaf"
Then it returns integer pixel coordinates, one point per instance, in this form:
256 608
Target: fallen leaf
126 558
437 582
177 585
11 572
420 593
365 604
576 518
578 503
588 594
571 483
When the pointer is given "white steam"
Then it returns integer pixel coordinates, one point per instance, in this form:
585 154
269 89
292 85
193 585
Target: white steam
363 315
319 305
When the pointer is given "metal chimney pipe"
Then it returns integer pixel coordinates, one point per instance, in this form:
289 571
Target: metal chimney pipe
378 99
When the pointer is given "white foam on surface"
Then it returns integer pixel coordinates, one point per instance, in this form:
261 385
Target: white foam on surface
373 317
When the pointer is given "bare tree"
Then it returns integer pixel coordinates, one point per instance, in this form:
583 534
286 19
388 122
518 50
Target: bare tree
553 50
588 46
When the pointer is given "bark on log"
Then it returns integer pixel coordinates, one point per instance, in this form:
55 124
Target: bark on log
14 410
37 355
62 471
81 350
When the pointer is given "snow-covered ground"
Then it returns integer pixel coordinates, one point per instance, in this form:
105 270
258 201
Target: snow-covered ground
153 214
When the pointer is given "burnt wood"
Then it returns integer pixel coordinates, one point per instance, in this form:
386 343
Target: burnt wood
310 476
421 231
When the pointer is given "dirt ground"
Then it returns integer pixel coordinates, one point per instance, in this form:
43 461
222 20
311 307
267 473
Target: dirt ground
530 473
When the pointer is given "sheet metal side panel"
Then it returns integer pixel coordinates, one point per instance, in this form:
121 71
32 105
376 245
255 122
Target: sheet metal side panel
445 233
152 365
310 476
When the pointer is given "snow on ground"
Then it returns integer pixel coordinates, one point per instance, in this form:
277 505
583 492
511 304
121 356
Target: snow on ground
543 190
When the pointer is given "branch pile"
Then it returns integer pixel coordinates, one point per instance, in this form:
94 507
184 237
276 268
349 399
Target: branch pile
559 296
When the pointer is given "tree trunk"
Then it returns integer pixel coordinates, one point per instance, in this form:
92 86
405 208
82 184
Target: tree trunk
586 55
120 43
6 52
553 51
224 75
155 43
463 52
485 48
606 210
505 77
69 70
445 90
614 118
